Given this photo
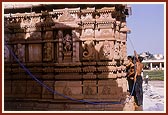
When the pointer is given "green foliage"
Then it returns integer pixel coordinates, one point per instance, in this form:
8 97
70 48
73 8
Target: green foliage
155 74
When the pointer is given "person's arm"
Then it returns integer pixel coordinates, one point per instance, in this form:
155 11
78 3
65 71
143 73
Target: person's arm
135 76
136 55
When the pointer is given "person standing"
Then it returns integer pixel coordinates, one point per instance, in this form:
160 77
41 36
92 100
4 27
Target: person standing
146 79
130 73
138 81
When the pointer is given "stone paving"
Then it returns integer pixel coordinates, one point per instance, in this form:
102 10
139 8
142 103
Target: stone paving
154 96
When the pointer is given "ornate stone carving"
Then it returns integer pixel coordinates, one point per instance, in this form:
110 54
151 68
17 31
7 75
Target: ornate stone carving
117 50
35 35
123 51
59 35
67 48
19 50
106 49
49 35
88 33
67 43
106 90
89 50
88 90
67 90
48 51
66 16
106 32
72 51
35 20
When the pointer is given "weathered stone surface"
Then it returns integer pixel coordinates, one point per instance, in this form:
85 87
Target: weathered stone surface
18 89
69 54
7 89
90 89
71 89
46 94
33 90
35 52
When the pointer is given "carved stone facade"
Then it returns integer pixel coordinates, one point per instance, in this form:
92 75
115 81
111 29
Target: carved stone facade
79 52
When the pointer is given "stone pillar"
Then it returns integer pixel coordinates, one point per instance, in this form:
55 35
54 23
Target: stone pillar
151 66
160 66
60 49
75 46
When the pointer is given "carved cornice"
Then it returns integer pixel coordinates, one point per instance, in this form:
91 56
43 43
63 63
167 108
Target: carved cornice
62 70
70 10
106 9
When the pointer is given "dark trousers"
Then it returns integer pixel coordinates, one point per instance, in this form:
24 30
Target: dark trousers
130 85
138 91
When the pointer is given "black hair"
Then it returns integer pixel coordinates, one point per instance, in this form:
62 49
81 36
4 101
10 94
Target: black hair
140 58
129 57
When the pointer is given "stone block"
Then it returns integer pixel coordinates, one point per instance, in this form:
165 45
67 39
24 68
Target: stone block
90 89
68 76
109 90
7 88
72 89
48 76
45 92
19 88
33 89
35 52
89 76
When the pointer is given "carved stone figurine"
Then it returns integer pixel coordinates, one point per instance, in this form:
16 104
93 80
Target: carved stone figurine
20 52
88 49
67 43
47 52
106 49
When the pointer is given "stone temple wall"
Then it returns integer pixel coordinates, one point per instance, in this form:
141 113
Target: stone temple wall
66 59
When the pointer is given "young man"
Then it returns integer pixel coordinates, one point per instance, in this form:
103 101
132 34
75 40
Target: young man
130 73
138 81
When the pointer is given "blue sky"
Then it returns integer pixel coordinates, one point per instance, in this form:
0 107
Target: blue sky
147 28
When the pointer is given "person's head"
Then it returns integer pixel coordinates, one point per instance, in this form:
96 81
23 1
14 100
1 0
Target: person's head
130 58
140 58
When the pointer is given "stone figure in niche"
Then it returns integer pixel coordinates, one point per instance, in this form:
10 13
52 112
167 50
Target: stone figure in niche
60 34
88 49
117 50
47 51
67 91
106 90
106 49
88 90
19 51
67 43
